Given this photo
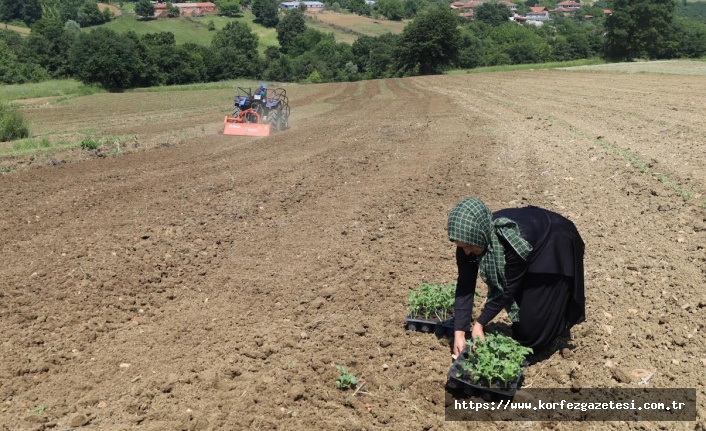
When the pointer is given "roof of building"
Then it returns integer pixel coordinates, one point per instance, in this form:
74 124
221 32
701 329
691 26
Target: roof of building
569 4
537 9
306 3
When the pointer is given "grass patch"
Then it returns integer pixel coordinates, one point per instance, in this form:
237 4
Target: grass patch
531 66
31 146
347 28
219 85
23 31
384 90
191 29
53 88
360 89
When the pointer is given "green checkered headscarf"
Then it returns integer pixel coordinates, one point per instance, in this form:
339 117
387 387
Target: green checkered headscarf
472 222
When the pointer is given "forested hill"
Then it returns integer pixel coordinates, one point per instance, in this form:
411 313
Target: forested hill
70 39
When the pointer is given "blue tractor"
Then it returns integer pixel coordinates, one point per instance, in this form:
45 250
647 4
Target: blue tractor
271 105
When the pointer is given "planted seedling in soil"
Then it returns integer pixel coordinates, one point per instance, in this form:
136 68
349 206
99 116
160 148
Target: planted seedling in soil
432 301
346 379
495 362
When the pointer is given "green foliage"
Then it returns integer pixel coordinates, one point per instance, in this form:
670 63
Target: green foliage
374 56
432 301
266 12
693 10
27 11
236 35
17 70
89 15
495 361
174 64
430 43
688 39
390 9
470 54
492 13
289 27
68 9
12 123
39 410
345 380
108 59
172 11
229 8
49 44
313 51
314 78
90 144
359 7
414 7
639 29
235 53
144 9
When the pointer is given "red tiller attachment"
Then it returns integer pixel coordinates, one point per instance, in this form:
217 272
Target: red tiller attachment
247 123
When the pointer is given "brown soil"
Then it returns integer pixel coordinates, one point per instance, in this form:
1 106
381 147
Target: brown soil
214 283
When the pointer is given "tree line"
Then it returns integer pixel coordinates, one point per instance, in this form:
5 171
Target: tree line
434 41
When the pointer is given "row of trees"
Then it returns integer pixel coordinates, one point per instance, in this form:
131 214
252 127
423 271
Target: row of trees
84 12
434 41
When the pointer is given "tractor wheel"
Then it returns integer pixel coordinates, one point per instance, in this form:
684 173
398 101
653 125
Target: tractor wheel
274 119
236 111
259 108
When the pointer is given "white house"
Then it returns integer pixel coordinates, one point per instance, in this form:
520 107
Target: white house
311 6
537 15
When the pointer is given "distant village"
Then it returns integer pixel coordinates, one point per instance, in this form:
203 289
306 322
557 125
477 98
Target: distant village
537 15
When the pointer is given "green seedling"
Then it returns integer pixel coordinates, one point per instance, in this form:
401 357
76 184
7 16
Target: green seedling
432 301
39 410
495 361
346 379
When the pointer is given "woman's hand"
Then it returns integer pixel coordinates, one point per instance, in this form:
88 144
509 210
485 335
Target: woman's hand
477 332
459 342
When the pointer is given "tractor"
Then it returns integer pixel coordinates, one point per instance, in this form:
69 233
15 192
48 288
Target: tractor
254 115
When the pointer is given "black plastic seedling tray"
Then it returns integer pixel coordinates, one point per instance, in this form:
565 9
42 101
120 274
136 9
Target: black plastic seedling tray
456 384
435 326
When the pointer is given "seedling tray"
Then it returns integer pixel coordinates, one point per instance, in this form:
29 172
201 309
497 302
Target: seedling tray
455 384
435 326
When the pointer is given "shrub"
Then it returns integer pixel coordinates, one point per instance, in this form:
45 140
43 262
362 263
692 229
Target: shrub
89 144
12 123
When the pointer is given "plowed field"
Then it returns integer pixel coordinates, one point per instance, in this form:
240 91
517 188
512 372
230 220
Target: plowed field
207 282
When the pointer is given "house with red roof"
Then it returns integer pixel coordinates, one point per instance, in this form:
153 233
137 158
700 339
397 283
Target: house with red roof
566 8
537 15
186 9
569 5
511 6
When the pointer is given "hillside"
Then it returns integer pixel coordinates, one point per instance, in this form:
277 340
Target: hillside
186 280
345 27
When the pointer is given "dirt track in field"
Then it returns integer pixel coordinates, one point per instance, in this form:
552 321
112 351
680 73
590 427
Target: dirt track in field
214 283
